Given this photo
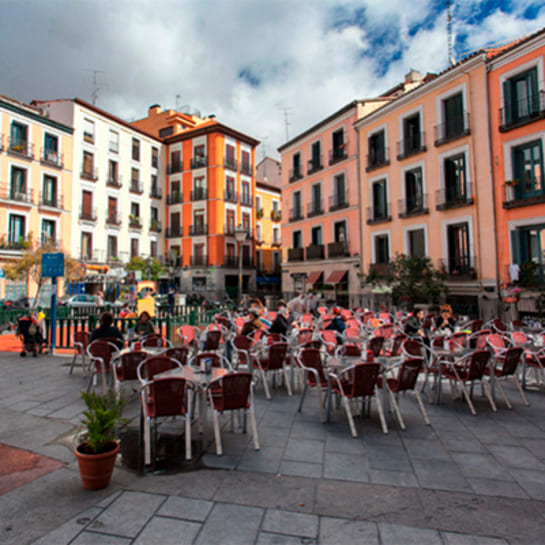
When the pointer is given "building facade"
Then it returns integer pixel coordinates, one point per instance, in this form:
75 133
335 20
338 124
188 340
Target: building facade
35 186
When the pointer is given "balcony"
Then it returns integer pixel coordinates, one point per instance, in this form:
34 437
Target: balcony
199 229
155 226
231 164
276 215
230 196
51 158
522 112
231 261
380 214
174 168
199 261
338 201
50 241
114 181
246 168
88 137
276 242
379 270
296 254
296 214
174 198
172 232
315 165
314 209
454 196
259 213
21 147
229 229
452 129
199 194
136 187
20 244
247 261
411 146
246 200
338 154
135 222
378 159
86 214
413 206
155 193
337 249
523 193
295 174
51 201
113 219
89 173
20 197
315 251
200 161
462 269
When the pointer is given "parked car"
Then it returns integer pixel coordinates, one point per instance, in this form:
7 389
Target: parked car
81 300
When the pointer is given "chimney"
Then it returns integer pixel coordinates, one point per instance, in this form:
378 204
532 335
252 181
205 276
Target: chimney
154 109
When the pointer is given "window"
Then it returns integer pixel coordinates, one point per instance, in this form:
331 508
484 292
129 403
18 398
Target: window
154 214
315 162
175 162
199 156
135 149
155 192
316 236
135 180
88 170
456 189
175 193
338 150
380 201
19 137
377 150
113 141
48 232
258 207
453 116
528 170
339 231
112 247
382 249
87 205
135 213
134 248
18 186
87 246
339 192
230 160
153 248
112 210
246 167
412 137
89 131
296 167
113 177
246 222
276 262
276 206
175 224
17 230
166 131
51 148
155 157
316 199
459 260
296 200
414 195
521 97
528 245
245 197
297 239
416 242
230 222
258 236
49 191
230 194
276 235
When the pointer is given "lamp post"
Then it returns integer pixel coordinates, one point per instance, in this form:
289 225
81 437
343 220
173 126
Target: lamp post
240 235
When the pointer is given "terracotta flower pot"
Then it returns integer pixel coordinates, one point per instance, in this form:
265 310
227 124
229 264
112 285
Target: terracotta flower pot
96 469
510 299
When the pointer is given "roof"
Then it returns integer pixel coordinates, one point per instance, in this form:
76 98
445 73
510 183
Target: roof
268 187
210 126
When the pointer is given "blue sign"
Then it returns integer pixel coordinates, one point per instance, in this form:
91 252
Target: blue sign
2 273
52 265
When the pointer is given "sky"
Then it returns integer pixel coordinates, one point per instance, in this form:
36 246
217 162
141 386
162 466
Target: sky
268 68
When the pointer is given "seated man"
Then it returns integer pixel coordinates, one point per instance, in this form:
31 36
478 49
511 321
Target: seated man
337 324
106 330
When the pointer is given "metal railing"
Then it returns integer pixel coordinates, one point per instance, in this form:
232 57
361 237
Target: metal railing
411 146
451 129
338 154
198 229
21 147
174 168
296 214
171 232
54 201
230 196
338 201
50 157
314 165
246 200
463 268
314 209
136 187
296 174
199 261
230 163
89 173
199 194
315 251
379 158
522 111
378 214
296 254
113 218
337 249
454 195
413 206
174 198
246 168
199 161
87 215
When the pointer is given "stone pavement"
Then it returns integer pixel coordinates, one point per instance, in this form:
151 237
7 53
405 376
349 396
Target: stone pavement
464 480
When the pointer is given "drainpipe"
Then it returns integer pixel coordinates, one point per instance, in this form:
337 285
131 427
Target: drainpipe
358 158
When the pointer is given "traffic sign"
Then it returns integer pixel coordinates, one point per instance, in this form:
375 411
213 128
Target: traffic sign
52 265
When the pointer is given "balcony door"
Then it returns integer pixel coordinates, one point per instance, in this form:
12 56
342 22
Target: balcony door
458 248
528 169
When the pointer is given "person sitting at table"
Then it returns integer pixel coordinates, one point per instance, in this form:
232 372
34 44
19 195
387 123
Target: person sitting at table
413 326
144 326
281 323
337 324
253 323
445 324
106 330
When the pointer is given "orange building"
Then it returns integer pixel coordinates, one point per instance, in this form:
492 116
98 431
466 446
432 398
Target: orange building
517 116
211 187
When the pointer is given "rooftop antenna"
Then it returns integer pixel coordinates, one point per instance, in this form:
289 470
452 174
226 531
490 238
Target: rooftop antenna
286 122
94 95
451 60
178 97
264 145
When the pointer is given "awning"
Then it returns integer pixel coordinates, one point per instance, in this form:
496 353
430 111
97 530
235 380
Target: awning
313 277
336 277
268 280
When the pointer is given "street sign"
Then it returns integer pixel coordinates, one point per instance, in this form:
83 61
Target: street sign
52 265
2 273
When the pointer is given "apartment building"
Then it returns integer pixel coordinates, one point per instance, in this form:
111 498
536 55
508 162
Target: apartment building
117 200
269 170
426 185
35 185
517 119
210 191
268 237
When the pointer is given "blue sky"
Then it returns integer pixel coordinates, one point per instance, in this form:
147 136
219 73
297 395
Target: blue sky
253 63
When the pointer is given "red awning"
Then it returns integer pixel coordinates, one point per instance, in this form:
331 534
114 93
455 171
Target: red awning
336 277
313 277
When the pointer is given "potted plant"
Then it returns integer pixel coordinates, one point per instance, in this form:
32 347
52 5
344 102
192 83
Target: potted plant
98 448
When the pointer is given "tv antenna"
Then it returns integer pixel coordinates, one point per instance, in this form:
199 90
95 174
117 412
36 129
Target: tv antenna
287 123
178 97
451 60
94 94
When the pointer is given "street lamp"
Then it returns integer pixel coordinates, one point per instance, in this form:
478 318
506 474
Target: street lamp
240 235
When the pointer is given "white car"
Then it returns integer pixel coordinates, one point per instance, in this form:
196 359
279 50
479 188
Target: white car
82 300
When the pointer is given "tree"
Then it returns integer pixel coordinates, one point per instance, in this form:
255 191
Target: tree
415 279
151 270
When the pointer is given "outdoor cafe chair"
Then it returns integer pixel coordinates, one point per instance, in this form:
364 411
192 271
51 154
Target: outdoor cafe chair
199 361
497 342
385 330
469 368
155 340
272 359
329 340
101 352
80 342
396 345
164 397
180 353
153 365
402 377
188 335
477 339
125 367
358 381
232 392
505 367
375 344
314 375
241 347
